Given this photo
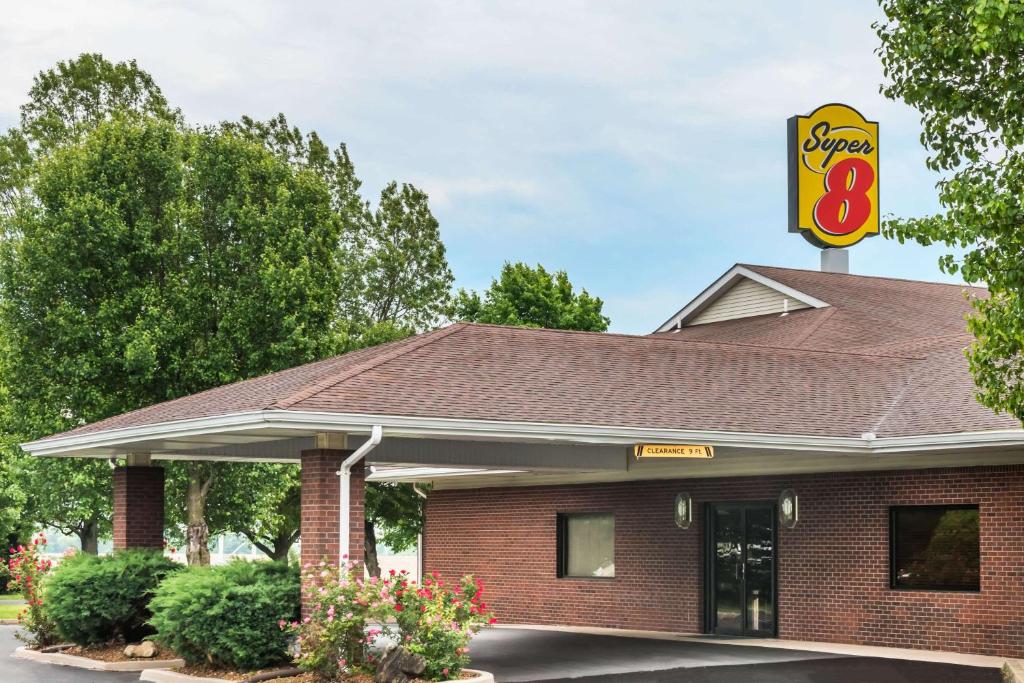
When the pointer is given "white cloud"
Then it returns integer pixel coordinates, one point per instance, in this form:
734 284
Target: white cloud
444 191
588 132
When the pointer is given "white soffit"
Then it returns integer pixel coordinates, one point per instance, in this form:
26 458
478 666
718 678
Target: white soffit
723 284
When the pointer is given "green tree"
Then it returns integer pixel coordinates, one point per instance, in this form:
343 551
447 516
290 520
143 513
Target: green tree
257 500
398 282
64 102
958 62
157 262
532 297
405 278
396 510
76 95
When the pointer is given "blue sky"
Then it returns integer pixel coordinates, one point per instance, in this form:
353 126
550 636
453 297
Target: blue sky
638 145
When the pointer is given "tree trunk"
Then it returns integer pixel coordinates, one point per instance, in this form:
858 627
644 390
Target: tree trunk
197 532
278 547
282 544
89 537
370 549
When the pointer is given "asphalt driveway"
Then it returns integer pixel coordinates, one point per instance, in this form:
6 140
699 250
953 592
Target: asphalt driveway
521 655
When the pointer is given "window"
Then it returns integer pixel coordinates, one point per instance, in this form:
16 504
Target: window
935 547
586 545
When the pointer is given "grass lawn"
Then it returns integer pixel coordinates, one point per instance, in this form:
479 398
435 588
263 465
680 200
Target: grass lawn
10 611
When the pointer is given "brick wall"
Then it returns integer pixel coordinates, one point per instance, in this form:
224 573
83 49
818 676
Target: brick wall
138 507
320 500
833 568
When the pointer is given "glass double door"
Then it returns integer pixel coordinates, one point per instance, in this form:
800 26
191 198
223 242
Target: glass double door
741 569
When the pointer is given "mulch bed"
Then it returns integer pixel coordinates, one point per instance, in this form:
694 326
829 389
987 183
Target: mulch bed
351 678
207 671
213 672
112 653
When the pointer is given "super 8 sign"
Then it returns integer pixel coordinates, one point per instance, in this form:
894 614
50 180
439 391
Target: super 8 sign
833 176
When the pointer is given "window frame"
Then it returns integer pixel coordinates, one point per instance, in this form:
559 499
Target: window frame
562 544
894 538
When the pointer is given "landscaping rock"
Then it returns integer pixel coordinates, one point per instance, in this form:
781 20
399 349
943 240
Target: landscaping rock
398 665
146 650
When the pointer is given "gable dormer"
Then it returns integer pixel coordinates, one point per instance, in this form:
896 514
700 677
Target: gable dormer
740 293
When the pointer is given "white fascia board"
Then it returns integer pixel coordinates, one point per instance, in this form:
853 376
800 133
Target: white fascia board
494 430
935 442
404 426
125 436
722 284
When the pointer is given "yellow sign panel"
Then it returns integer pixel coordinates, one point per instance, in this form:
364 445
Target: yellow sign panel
833 176
664 450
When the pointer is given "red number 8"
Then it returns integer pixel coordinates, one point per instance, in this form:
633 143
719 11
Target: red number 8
845 206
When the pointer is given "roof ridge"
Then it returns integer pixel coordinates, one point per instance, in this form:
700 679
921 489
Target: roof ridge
873 277
658 336
417 342
797 348
592 333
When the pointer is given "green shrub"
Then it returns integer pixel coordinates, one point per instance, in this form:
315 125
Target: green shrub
100 599
228 615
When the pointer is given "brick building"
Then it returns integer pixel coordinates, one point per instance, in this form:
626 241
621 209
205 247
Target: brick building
857 491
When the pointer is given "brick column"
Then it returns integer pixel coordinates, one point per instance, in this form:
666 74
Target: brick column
320 501
138 507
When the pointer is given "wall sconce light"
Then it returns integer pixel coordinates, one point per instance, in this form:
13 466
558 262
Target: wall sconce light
684 511
789 508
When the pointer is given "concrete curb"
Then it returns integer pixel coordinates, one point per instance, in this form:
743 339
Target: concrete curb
95 664
1013 671
8 622
164 676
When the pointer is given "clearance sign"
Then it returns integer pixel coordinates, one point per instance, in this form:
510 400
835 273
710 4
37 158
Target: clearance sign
833 176
668 450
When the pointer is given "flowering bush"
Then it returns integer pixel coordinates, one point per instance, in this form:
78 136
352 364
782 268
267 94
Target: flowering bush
347 615
26 569
438 623
333 637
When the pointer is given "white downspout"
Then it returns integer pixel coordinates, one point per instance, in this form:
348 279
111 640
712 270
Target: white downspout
419 541
345 474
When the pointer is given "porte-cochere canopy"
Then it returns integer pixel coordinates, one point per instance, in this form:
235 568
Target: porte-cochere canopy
848 366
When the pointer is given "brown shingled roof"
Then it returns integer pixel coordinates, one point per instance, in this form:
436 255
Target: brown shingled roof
885 356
